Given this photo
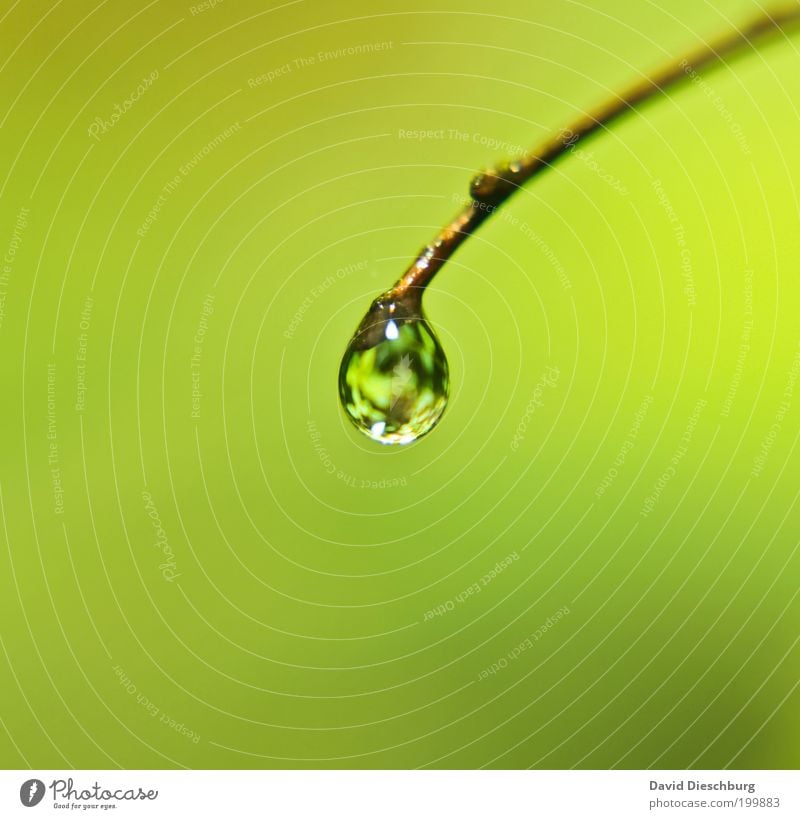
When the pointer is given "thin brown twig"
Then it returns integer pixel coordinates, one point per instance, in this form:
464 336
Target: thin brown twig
489 189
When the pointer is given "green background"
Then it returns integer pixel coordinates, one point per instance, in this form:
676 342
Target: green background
289 627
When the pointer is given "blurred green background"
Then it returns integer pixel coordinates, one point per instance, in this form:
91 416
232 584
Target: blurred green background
591 562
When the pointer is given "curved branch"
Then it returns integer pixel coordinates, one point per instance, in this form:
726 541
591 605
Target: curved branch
490 188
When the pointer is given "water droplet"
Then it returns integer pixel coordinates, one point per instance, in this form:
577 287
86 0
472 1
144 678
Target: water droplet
394 378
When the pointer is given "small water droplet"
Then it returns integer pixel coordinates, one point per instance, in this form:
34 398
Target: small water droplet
394 378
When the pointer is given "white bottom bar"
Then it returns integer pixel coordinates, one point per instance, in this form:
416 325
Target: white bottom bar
390 794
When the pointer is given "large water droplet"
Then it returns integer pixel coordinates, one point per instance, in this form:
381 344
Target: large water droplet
394 378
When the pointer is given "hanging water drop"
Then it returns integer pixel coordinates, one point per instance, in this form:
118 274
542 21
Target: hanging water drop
394 378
